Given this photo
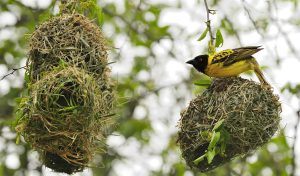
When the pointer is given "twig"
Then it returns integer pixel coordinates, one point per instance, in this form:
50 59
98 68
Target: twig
294 145
12 72
138 8
284 34
133 28
275 21
209 11
237 36
256 27
252 19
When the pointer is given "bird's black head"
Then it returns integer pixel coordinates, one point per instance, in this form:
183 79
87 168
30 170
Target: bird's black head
200 62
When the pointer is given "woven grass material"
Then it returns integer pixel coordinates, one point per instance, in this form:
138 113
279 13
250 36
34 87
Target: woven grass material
66 118
69 37
251 117
68 111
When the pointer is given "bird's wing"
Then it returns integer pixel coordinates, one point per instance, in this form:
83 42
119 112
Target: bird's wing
221 56
234 55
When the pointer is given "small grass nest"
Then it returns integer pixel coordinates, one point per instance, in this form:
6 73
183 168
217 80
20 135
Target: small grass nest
66 118
233 117
72 38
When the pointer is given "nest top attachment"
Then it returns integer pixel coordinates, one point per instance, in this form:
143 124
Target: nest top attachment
72 38
234 116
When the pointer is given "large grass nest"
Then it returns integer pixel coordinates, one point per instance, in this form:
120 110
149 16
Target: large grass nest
233 117
69 37
66 118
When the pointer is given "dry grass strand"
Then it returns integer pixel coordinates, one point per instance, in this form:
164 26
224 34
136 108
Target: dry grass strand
251 113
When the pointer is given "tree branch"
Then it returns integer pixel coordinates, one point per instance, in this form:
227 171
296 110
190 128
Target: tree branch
275 21
283 33
256 27
12 72
235 33
209 11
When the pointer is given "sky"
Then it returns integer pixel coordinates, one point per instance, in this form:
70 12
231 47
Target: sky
191 17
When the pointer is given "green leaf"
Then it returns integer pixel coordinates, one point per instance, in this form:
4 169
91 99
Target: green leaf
100 16
225 135
214 140
210 155
18 100
71 108
205 135
198 160
223 149
26 77
204 82
218 125
179 169
203 35
219 38
18 139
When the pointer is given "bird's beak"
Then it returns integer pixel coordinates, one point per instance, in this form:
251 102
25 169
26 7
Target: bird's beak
189 62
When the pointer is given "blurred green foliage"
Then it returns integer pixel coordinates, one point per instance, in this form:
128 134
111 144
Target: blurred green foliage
139 23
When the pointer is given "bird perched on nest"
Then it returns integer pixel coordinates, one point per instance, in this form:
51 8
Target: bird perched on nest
229 62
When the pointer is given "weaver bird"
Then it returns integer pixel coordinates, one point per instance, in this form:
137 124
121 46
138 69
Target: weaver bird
229 62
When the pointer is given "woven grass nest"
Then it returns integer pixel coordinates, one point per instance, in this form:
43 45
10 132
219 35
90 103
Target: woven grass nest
66 118
69 37
233 117
67 111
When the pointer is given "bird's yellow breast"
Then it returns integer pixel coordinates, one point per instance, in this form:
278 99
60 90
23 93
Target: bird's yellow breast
218 70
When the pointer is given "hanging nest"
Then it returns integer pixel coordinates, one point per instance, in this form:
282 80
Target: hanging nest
233 117
72 38
68 111
66 118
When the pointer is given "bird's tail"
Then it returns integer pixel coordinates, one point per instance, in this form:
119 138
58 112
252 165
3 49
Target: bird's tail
259 73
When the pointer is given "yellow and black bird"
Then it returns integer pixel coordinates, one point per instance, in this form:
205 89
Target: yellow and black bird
229 62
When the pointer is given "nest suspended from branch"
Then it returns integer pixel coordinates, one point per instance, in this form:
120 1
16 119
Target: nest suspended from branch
68 111
233 117
67 118
72 38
